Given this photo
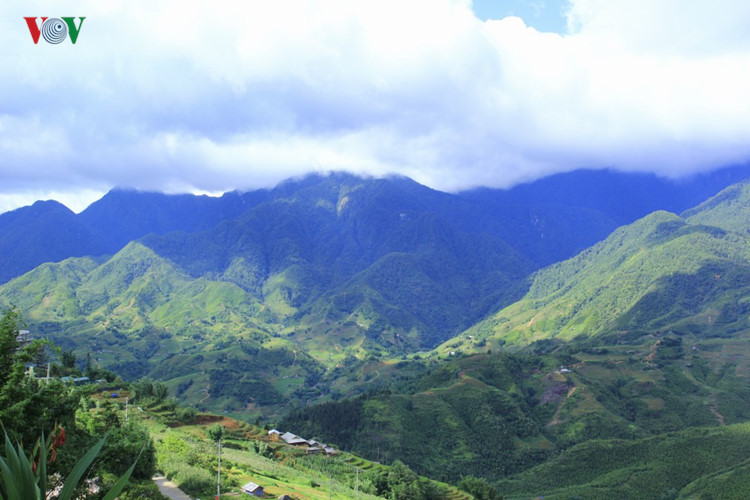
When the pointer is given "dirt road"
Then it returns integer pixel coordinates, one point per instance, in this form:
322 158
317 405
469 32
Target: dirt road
169 489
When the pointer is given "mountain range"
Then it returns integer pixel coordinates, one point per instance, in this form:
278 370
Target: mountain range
361 266
506 328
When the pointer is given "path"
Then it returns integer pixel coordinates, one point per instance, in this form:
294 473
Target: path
169 489
719 416
556 417
208 393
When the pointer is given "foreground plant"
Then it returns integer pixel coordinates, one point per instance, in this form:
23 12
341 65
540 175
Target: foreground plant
26 479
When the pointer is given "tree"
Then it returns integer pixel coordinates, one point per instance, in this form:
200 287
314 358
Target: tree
403 483
479 488
68 359
8 343
90 370
124 445
215 433
26 405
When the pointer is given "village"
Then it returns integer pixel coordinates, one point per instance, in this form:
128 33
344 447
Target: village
312 447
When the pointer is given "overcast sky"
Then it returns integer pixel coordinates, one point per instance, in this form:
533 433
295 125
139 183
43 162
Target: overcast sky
193 96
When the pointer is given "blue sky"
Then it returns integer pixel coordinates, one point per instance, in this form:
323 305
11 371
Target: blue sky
542 15
189 96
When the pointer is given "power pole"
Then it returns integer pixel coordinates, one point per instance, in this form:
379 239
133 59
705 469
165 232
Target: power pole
218 476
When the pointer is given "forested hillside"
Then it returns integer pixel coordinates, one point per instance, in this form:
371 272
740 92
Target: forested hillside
663 273
624 355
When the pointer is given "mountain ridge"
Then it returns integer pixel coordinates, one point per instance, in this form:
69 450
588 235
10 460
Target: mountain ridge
546 220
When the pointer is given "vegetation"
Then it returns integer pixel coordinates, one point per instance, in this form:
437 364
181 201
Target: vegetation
620 372
74 419
187 455
23 477
684 464
660 274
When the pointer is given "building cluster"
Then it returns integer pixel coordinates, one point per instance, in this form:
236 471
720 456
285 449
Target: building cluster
311 446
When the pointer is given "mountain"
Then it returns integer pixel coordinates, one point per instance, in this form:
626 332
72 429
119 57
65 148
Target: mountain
640 341
374 256
327 271
44 232
622 196
546 221
661 273
48 231
122 216
317 284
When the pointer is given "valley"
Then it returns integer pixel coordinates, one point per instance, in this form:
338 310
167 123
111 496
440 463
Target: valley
518 338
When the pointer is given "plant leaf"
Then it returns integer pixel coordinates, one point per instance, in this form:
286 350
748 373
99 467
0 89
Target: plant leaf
26 479
42 467
120 484
7 468
80 468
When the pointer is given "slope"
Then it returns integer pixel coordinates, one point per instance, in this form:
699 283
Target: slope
546 221
694 463
663 273
44 232
369 256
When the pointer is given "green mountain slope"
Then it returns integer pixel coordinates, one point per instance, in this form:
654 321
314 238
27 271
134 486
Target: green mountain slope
496 415
137 314
729 210
643 334
370 256
695 463
663 272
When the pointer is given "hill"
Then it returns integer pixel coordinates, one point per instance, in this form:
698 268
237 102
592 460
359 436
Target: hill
641 335
694 463
497 415
546 221
44 232
662 273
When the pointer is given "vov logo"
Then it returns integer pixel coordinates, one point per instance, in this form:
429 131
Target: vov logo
53 29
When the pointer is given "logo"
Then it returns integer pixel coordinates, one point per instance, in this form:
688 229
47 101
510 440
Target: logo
54 30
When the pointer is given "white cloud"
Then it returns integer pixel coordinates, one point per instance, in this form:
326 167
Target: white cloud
186 96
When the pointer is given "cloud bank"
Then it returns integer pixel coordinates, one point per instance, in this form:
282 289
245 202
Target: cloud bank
184 96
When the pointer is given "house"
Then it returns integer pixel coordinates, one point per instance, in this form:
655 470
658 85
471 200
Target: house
329 450
313 450
253 489
76 380
293 439
273 435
